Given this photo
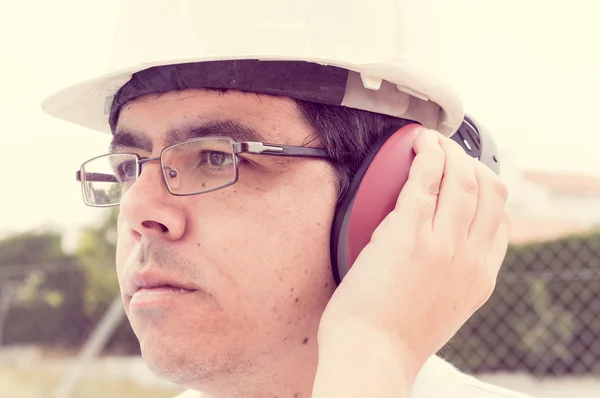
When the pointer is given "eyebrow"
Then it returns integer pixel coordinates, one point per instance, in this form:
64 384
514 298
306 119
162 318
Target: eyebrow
126 137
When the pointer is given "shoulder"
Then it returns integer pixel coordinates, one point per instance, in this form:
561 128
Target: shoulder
440 379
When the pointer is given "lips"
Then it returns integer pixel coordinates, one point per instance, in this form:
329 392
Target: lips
151 281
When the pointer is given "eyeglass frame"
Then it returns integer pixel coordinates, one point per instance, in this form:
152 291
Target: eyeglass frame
252 147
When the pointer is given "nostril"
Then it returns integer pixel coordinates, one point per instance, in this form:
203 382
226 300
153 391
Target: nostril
155 225
136 235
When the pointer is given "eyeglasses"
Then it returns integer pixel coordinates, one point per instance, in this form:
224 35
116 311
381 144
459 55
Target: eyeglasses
190 167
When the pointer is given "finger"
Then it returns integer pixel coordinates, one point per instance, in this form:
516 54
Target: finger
417 201
499 246
491 204
494 260
458 194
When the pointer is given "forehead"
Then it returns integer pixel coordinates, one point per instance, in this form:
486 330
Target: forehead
157 118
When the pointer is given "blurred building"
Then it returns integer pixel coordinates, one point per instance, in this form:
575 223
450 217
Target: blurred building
545 205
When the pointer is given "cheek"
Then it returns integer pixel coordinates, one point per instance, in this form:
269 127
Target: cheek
277 243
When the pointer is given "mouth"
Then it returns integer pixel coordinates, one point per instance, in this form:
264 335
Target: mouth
162 288
151 289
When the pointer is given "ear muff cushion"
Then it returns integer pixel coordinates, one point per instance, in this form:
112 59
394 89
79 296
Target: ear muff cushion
372 195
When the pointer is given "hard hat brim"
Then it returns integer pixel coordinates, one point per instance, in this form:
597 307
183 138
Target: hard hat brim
392 88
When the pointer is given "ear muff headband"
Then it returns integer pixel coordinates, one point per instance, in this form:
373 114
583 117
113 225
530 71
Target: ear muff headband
374 190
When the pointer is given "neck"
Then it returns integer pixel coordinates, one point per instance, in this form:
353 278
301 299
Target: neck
289 375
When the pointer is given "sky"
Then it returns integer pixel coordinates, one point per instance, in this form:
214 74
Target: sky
527 69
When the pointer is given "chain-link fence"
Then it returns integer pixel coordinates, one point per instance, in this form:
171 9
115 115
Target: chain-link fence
543 319
544 316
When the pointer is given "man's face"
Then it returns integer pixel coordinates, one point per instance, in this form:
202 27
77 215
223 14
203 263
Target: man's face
257 252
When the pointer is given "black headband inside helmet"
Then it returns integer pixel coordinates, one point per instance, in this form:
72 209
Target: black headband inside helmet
294 79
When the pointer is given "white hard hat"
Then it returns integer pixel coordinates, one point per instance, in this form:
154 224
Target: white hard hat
383 48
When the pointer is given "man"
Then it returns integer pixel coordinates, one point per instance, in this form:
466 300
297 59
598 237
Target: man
228 171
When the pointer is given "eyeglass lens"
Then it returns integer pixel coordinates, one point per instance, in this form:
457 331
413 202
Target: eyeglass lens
188 168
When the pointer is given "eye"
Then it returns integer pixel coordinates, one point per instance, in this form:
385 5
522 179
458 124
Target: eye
126 170
218 159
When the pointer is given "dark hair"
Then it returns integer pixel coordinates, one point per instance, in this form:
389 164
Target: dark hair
346 134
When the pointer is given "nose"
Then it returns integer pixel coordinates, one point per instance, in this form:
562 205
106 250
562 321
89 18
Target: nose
148 208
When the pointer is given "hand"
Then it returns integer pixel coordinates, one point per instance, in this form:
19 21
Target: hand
432 262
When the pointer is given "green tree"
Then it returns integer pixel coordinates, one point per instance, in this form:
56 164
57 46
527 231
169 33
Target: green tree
96 252
44 306
31 248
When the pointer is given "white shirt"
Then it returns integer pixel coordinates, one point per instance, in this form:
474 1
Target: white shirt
437 379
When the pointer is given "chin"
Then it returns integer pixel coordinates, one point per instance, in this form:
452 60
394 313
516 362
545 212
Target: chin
175 361
187 355
167 362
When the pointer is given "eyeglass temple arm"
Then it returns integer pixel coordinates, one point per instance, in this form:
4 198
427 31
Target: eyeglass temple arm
97 177
278 150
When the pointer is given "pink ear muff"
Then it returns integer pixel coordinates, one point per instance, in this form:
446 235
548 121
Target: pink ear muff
372 195
374 191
